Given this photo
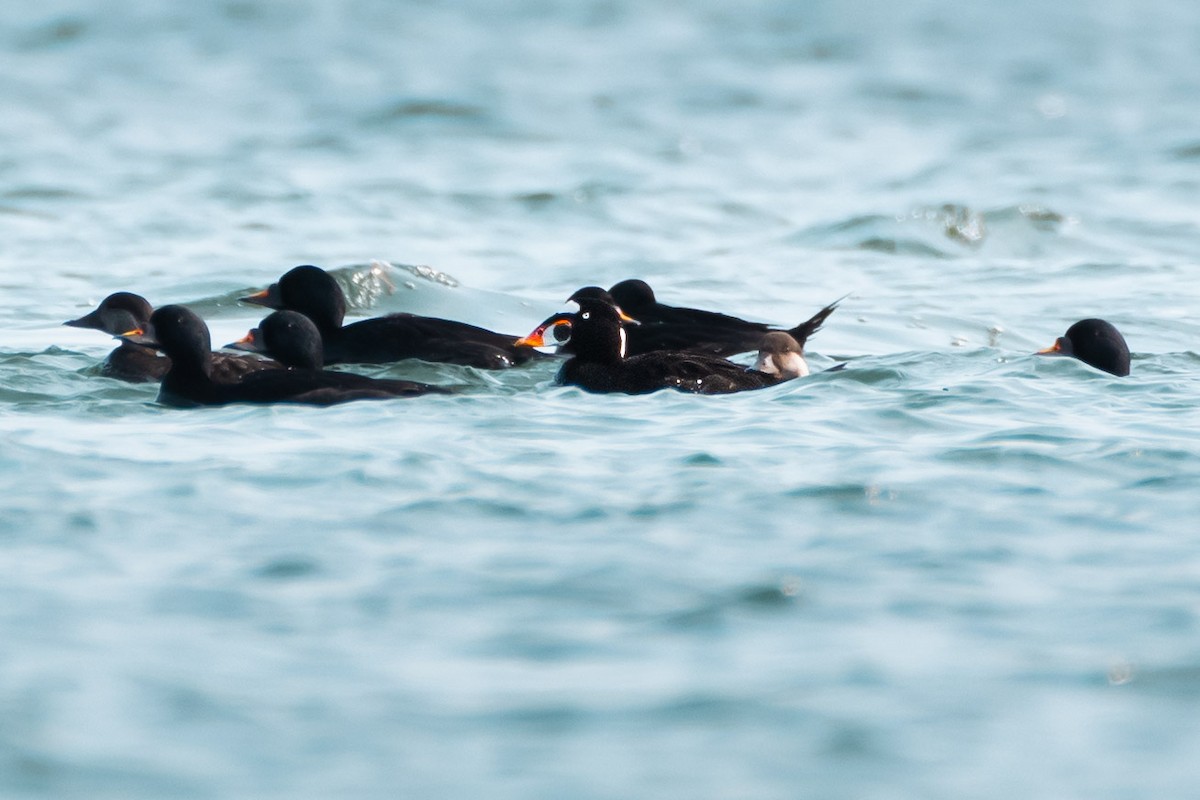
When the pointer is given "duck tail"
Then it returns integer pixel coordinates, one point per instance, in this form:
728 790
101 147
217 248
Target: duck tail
810 326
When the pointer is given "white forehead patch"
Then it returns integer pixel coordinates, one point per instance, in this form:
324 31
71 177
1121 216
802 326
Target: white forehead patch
623 341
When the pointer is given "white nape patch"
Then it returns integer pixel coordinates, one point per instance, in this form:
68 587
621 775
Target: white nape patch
624 339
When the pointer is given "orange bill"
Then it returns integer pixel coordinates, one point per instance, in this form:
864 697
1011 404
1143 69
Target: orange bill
257 297
535 339
269 297
538 337
251 342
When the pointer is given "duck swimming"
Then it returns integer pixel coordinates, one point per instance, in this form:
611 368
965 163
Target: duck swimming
183 336
599 362
124 311
314 293
666 327
1095 342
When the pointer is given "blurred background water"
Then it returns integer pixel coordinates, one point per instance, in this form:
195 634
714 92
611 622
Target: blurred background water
951 570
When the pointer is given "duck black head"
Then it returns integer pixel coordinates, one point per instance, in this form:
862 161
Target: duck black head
309 290
598 295
1094 342
592 293
115 314
596 332
633 295
290 338
179 333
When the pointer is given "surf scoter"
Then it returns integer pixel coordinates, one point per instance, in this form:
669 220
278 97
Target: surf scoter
183 336
1094 342
314 293
598 362
124 311
694 330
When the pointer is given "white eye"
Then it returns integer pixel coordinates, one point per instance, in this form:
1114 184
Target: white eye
586 315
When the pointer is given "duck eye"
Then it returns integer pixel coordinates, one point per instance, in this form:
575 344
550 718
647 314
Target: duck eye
586 315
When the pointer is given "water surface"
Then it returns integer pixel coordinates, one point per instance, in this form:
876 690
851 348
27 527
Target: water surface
951 570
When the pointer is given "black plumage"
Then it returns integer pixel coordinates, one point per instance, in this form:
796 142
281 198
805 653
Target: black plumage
598 360
124 311
1095 342
289 337
666 327
184 337
314 293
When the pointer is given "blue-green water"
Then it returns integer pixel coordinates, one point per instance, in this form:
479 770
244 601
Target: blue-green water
951 570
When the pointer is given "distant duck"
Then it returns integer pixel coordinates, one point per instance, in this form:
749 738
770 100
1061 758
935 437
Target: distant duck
1094 342
125 311
666 327
314 293
183 336
596 342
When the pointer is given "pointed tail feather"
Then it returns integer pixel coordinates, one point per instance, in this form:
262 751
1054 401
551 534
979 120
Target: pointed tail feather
807 328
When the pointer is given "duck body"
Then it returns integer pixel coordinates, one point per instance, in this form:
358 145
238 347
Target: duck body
666 327
184 337
313 292
126 311
293 340
134 364
598 360
395 337
188 388
662 369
